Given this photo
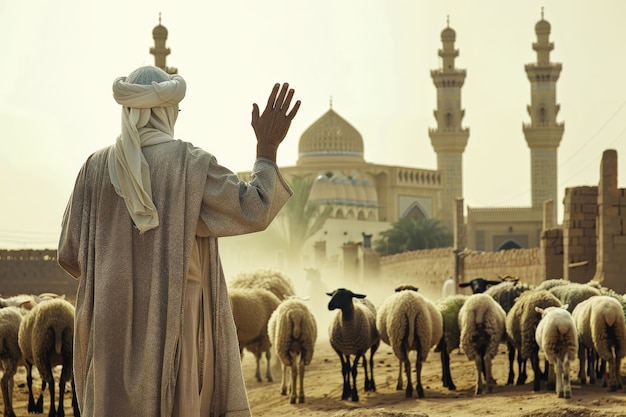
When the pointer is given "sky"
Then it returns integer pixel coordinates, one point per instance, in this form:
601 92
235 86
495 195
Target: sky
372 58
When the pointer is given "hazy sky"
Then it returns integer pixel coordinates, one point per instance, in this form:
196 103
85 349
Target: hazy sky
373 57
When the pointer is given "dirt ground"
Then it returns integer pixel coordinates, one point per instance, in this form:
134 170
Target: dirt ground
323 388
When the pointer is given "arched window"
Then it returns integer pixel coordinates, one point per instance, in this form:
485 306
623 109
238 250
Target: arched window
509 244
415 212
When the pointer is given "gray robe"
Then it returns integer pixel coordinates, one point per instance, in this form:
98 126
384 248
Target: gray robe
131 286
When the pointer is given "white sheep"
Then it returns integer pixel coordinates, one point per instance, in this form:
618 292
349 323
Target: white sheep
601 327
293 331
353 332
506 293
270 279
557 337
252 308
10 353
482 323
46 340
521 325
407 321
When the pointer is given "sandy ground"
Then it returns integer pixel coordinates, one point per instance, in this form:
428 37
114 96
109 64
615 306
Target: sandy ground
323 387
323 392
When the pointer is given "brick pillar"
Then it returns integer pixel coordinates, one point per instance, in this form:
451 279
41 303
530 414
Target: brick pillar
579 233
611 248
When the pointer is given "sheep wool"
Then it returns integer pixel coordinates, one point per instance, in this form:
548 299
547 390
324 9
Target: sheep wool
409 321
353 332
601 327
293 332
252 308
557 337
269 279
482 322
46 338
10 353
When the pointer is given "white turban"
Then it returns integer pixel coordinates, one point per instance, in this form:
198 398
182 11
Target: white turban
150 98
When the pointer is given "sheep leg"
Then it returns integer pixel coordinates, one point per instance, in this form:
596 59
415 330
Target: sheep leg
490 381
355 370
7 388
400 381
283 382
292 389
613 373
74 400
301 379
511 350
565 380
479 375
345 373
418 377
534 360
268 355
407 369
560 389
591 365
370 384
582 372
33 407
445 365
521 367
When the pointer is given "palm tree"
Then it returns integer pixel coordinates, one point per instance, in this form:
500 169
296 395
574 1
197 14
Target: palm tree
409 234
299 220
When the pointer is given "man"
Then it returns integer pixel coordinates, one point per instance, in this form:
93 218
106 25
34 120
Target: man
154 334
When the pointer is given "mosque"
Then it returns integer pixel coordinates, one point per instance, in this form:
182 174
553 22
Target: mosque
366 198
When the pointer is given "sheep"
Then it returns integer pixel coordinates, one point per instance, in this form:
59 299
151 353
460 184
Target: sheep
408 321
557 337
292 331
353 332
601 327
521 325
505 294
478 285
449 308
46 340
252 308
572 293
270 279
482 323
10 353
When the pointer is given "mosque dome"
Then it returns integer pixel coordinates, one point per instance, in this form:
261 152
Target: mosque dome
159 31
542 27
330 188
448 35
331 135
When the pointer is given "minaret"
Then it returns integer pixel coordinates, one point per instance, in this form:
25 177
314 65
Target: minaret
160 52
449 138
543 133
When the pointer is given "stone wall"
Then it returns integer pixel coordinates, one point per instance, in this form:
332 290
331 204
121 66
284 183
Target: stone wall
34 272
428 269
579 233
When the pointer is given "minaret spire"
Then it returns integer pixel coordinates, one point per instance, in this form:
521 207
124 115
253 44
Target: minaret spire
160 52
543 133
449 139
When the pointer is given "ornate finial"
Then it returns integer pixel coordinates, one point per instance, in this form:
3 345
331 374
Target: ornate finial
331 102
448 20
159 18
541 12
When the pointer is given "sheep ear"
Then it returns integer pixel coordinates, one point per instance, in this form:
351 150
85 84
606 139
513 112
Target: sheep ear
565 306
539 310
330 294
359 295
463 284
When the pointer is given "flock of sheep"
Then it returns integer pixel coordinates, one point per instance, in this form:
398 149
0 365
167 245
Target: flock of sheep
37 331
562 319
